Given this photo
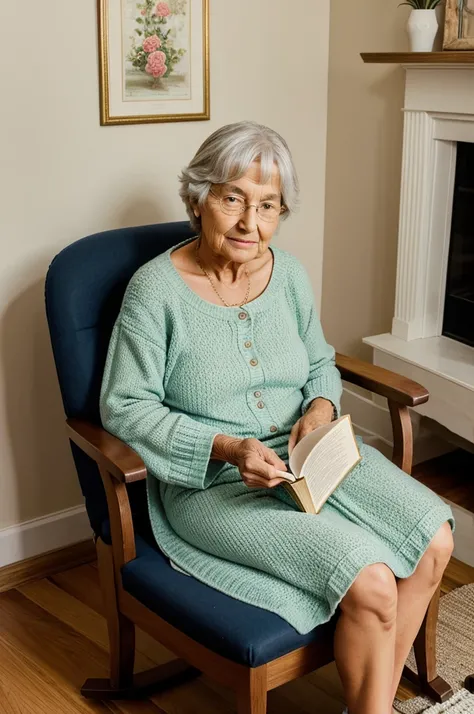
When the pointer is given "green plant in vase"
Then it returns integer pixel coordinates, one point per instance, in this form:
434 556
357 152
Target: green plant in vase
422 4
422 24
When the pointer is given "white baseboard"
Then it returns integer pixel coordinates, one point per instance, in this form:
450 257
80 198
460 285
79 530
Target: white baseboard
371 420
368 416
41 535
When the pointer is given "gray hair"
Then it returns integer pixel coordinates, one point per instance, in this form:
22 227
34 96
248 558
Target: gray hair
227 154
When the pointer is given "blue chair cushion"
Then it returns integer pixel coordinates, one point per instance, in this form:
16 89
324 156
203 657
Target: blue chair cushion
240 632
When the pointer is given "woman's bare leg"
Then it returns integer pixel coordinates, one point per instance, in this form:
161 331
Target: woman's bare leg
414 595
364 642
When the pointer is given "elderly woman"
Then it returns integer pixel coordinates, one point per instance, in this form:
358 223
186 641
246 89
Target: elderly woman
217 367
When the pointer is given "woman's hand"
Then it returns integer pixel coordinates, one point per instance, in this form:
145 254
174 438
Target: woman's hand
257 463
319 413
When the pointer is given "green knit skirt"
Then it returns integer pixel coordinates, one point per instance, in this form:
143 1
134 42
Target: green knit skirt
255 545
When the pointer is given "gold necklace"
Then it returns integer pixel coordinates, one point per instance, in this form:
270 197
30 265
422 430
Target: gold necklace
236 304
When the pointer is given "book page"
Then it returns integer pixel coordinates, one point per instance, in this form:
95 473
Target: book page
304 448
330 460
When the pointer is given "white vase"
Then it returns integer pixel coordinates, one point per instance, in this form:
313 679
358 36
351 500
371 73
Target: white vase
422 29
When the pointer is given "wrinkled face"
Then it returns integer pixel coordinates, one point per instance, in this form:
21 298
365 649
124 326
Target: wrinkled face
241 237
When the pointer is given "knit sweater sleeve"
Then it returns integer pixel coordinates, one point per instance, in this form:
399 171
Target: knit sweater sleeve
324 378
174 447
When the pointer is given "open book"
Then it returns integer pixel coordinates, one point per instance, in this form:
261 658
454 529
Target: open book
319 462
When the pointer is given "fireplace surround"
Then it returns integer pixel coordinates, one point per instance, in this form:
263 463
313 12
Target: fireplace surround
438 113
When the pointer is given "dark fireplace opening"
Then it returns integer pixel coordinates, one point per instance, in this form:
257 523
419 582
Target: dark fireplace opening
458 321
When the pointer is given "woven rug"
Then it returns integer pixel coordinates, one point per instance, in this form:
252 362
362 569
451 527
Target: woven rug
455 653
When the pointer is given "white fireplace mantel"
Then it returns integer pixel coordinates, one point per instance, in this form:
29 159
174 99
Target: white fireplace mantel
438 112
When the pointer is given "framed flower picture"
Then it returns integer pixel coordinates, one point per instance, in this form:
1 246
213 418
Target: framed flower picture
154 61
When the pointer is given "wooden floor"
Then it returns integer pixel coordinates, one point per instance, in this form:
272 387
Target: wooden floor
52 637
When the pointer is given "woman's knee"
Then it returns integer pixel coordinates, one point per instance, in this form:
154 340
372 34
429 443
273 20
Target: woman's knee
374 591
438 553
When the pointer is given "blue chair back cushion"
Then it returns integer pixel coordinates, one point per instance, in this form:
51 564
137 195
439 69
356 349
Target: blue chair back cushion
84 289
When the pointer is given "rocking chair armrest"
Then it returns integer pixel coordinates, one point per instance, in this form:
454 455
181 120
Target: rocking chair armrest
381 381
110 453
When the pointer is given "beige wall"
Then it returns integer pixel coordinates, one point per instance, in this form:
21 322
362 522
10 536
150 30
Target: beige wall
63 176
363 173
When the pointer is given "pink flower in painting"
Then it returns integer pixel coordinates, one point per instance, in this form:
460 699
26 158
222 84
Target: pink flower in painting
162 9
156 65
151 44
157 58
143 12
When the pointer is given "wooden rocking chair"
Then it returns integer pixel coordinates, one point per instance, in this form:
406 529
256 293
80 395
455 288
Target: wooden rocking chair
242 647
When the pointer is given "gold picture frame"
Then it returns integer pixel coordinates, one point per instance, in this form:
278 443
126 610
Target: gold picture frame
153 55
459 25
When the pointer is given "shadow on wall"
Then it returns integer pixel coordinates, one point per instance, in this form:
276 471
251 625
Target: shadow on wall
43 480
43 471
360 249
383 258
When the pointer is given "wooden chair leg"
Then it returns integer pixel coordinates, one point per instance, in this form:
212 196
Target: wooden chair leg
121 630
469 683
252 692
425 643
122 683
425 656
402 436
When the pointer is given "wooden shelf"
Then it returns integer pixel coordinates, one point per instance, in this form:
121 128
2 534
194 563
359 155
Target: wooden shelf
448 57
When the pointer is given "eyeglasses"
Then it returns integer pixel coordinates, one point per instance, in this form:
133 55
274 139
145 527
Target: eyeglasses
233 205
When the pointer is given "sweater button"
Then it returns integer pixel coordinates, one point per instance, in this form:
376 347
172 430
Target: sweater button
273 428
260 405
257 394
242 315
248 344
254 362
